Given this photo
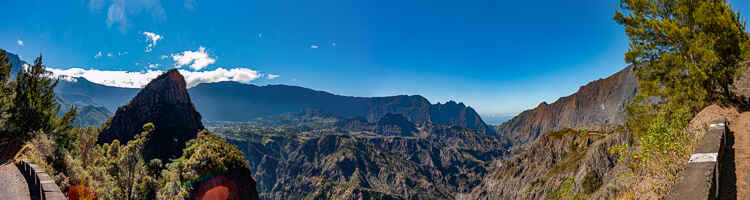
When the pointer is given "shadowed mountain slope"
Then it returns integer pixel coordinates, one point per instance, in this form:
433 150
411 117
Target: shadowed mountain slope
166 103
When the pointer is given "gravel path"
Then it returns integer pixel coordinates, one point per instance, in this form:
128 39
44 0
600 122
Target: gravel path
12 183
741 129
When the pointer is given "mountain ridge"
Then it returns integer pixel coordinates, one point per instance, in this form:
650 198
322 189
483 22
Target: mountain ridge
598 103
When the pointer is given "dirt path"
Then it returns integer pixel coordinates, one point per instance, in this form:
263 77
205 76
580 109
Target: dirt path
12 183
741 129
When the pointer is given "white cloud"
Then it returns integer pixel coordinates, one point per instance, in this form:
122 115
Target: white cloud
272 76
164 57
98 55
109 54
140 79
152 38
110 78
153 65
314 46
199 59
20 42
242 75
122 53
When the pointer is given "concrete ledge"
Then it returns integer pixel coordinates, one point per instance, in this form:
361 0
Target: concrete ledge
700 179
48 189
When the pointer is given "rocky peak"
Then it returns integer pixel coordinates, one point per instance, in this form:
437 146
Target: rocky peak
458 114
165 102
170 88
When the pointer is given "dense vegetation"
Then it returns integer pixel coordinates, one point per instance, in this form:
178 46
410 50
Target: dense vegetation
687 54
30 125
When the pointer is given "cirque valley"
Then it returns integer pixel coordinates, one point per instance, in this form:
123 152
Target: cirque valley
277 100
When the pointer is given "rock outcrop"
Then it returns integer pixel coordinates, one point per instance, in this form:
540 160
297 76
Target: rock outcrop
599 103
164 102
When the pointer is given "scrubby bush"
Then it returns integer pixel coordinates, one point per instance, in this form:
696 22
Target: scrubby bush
202 157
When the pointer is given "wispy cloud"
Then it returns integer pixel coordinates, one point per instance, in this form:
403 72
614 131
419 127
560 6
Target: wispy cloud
109 55
151 38
20 42
122 53
314 46
98 55
199 59
118 10
153 65
140 79
190 4
272 76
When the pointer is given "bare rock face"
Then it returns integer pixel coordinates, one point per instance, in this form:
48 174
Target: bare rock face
601 102
165 102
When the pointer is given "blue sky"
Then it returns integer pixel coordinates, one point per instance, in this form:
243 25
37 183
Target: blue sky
499 57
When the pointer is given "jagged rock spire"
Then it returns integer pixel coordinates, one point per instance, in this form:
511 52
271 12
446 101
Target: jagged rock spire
165 102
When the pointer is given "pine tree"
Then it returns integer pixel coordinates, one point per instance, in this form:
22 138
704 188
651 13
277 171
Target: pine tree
35 108
685 51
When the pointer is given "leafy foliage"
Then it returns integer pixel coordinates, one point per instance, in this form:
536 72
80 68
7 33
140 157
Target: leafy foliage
84 169
565 191
80 192
686 53
29 106
205 155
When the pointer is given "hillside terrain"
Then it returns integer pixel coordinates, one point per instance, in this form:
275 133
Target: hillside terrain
600 103
392 158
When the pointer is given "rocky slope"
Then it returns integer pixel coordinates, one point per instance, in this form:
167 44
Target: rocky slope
99 95
601 102
559 165
357 159
164 102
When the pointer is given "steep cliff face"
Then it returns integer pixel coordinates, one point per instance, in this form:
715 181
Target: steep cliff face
165 102
601 102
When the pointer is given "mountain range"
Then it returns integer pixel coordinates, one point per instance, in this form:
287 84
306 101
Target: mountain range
233 101
322 145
